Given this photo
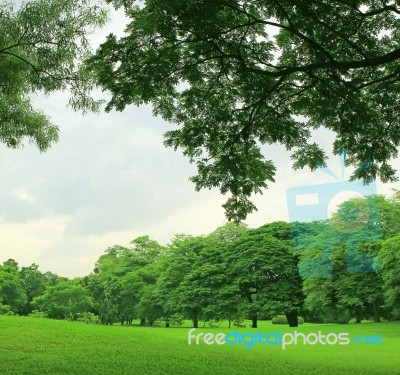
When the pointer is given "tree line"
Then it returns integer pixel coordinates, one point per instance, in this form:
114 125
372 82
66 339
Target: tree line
233 273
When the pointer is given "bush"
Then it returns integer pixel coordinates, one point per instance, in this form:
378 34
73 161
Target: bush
89 318
353 321
211 323
239 324
281 319
177 320
38 314
6 310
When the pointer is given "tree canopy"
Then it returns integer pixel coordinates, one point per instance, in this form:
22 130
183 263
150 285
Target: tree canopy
42 46
236 74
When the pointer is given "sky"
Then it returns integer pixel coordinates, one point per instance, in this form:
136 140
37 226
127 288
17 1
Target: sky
109 179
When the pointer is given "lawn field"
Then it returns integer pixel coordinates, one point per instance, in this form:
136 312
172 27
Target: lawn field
44 346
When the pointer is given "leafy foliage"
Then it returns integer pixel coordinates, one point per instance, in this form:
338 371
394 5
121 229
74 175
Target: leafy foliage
236 74
42 45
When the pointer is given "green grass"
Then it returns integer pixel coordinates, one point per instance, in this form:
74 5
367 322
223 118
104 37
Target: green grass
43 346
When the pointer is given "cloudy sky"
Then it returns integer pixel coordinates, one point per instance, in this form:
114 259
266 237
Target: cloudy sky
109 180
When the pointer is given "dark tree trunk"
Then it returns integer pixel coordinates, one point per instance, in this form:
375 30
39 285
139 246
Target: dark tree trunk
142 322
167 324
292 318
254 321
377 312
358 315
195 323
229 323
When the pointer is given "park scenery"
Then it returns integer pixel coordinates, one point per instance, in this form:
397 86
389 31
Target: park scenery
168 274
249 296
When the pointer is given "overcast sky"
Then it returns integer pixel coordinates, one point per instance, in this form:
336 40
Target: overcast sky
109 180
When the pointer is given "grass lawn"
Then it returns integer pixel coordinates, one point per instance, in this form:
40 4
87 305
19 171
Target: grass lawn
44 346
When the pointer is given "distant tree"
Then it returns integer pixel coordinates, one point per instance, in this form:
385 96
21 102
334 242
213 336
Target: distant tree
120 276
35 284
337 258
265 270
12 286
209 287
64 300
175 290
341 294
389 260
228 232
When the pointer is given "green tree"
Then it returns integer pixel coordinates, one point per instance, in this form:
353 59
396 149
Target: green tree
175 290
35 285
389 256
337 258
236 74
12 286
209 286
42 45
64 300
265 271
120 276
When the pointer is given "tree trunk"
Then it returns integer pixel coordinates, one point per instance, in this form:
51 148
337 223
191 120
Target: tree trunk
358 315
167 324
195 323
254 321
142 322
292 318
229 322
377 312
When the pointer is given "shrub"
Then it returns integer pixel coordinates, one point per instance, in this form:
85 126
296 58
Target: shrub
6 310
281 319
89 318
353 321
211 323
38 314
177 319
239 324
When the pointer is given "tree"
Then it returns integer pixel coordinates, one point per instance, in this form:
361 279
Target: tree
64 300
12 286
175 289
35 285
265 271
209 284
120 277
337 258
42 46
390 259
234 74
